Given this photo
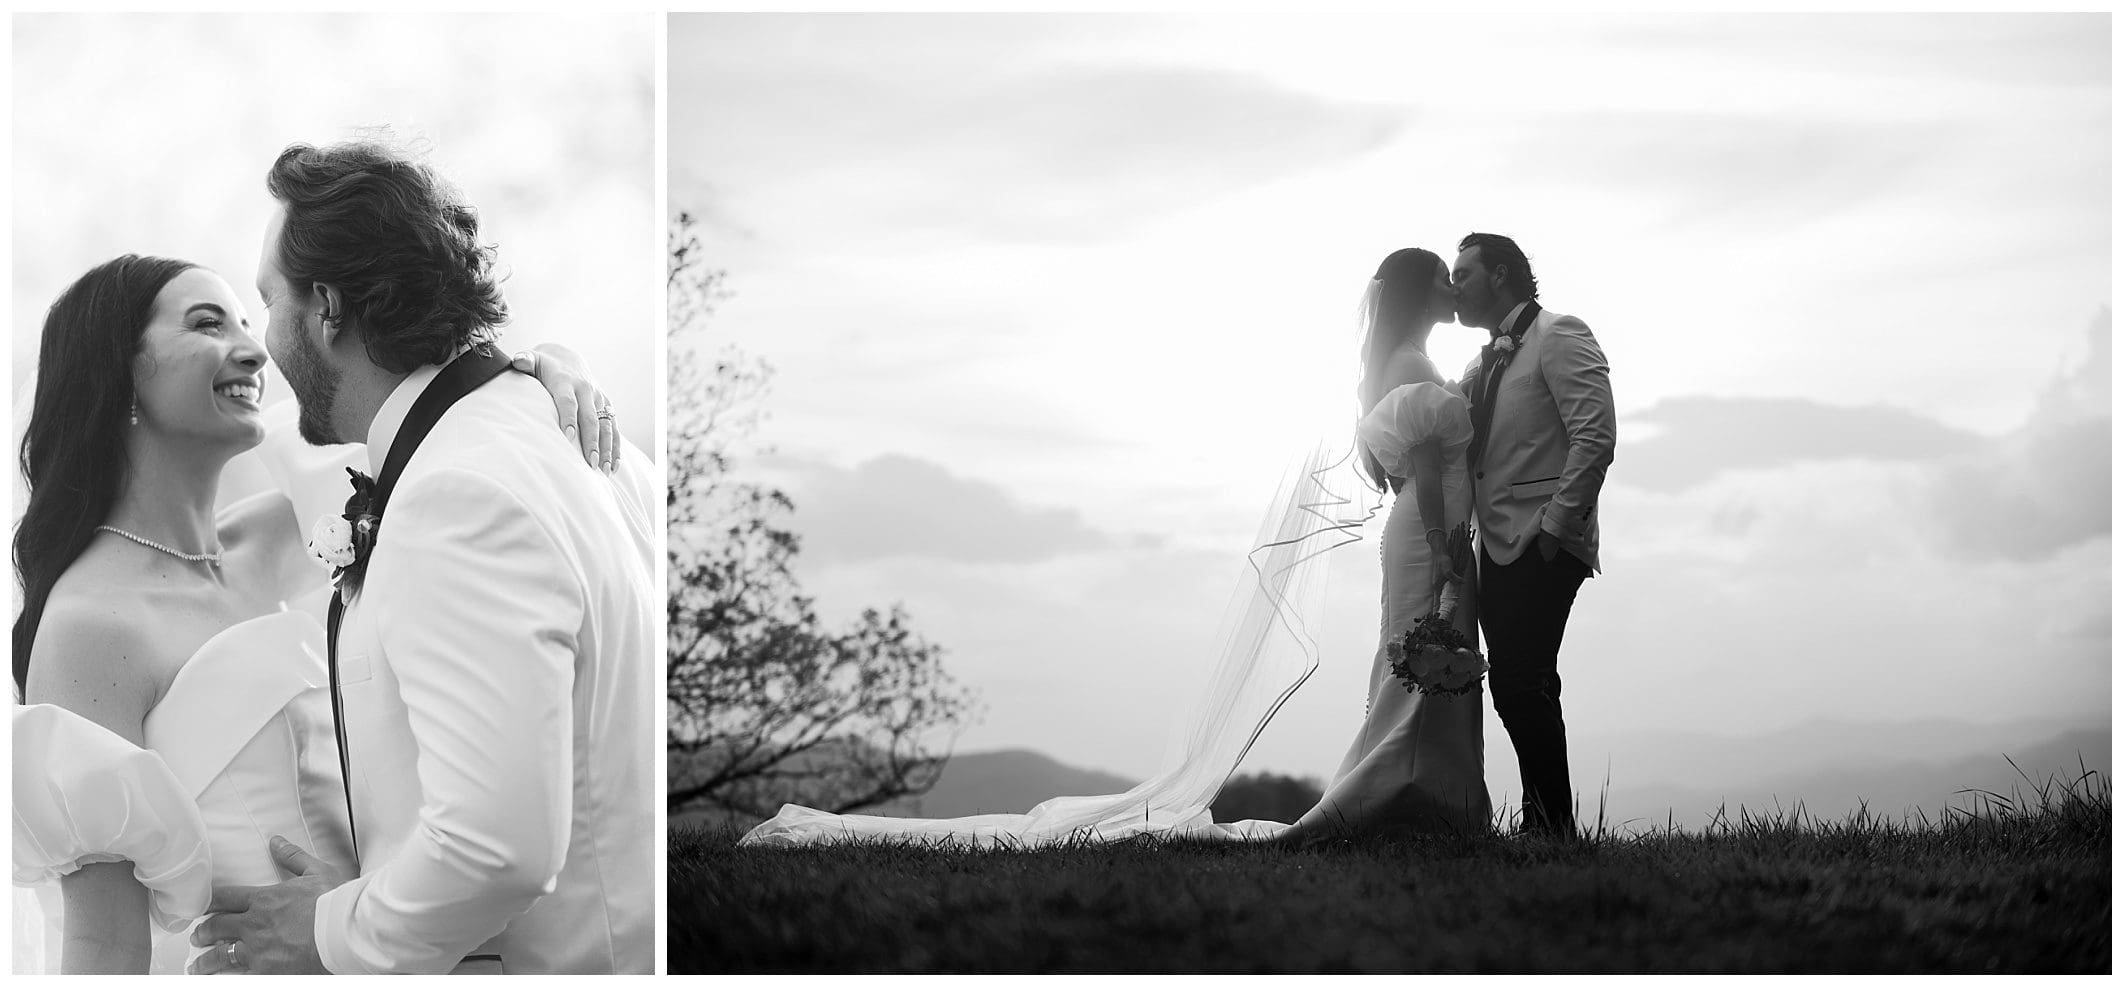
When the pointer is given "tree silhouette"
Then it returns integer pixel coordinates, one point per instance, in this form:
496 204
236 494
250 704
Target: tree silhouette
766 705
1265 796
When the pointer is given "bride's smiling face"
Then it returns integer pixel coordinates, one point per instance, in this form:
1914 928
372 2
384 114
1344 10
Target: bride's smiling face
200 374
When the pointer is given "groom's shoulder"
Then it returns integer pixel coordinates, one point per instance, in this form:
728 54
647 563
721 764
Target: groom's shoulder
1566 323
1570 331
505 432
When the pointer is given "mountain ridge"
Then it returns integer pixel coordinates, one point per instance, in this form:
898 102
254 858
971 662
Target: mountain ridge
1918 765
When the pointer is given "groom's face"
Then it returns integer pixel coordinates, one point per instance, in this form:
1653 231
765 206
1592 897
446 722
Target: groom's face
1474 298
294 338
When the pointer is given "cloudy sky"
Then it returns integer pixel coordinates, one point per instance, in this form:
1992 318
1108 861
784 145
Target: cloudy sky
1051 300
140 133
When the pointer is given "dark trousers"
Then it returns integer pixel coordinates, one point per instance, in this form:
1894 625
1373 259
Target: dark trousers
1523 609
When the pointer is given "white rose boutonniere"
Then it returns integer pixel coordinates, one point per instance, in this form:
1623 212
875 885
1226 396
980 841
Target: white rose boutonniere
1504 344
342 542
332 541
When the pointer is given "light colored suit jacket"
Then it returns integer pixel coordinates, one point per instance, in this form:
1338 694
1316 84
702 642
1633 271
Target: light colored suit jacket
1551 439
499 666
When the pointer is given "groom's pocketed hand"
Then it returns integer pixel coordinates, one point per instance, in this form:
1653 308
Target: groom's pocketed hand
272 925
1549 545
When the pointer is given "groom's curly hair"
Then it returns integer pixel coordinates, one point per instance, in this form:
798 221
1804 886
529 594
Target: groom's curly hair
397 241
1496 250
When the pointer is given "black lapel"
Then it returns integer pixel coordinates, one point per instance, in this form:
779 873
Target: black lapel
1493 364
464 375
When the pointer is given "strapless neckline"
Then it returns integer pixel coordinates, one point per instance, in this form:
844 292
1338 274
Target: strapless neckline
234 682
294 623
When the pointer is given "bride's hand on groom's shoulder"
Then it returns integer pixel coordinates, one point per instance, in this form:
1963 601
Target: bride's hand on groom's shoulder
271 928
584 412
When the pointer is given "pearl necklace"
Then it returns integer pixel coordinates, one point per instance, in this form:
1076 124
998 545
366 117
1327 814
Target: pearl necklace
211 558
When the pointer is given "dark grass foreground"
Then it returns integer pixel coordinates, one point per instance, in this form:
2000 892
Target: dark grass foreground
2017 885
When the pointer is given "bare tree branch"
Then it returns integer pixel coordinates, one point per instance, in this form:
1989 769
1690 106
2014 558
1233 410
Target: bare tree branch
767 706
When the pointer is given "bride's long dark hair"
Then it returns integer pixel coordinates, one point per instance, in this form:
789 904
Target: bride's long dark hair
73 452
1400 296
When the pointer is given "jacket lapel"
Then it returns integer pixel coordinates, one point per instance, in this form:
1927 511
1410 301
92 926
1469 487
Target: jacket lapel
1488 378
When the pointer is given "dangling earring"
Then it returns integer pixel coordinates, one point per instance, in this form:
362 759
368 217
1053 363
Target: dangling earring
135 414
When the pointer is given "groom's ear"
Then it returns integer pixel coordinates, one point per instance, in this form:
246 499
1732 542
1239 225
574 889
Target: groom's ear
331 310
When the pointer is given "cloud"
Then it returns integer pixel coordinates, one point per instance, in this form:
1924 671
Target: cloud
1047 157
2046 486
1732 463
888 130
901 507
1700 438
1717 169
2027 50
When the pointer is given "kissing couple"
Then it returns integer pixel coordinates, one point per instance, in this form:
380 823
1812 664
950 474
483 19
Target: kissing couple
1495 479
440 759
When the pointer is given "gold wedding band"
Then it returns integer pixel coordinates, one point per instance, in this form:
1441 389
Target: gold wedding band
232 953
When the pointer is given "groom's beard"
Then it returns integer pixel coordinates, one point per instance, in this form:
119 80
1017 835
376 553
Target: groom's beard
316 386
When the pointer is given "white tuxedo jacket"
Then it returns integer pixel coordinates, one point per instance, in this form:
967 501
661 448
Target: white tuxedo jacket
1551 439
499 669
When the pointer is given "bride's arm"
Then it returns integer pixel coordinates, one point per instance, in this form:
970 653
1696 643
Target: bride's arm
95 665
106 921
1429 460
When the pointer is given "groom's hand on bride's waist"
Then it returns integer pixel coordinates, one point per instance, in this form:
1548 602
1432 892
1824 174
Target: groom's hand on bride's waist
268 929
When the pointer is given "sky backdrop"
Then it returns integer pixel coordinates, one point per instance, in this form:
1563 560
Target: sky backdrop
152 133
1051 300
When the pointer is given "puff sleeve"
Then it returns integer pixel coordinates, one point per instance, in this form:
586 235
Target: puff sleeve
1412 415
83 795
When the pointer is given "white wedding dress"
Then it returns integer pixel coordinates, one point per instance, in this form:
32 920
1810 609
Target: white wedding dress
239 750
1416 761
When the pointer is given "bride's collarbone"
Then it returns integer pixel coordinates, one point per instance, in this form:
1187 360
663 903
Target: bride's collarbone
171 604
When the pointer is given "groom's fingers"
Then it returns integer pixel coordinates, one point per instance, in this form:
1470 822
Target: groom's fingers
234 898
218 927
294 859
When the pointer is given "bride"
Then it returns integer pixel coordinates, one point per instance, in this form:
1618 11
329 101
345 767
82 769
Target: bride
1416 762
171 652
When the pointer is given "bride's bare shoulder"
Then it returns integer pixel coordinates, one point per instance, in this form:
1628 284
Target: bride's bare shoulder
96 651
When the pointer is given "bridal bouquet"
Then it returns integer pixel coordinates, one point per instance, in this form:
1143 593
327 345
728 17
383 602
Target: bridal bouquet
1434 657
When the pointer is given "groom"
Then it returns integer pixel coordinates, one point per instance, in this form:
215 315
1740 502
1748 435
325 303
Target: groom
1544 435
495 665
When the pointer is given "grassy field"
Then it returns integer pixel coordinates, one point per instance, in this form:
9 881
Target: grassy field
2019 884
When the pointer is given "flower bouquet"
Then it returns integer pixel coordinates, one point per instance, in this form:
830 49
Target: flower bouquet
1434 657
